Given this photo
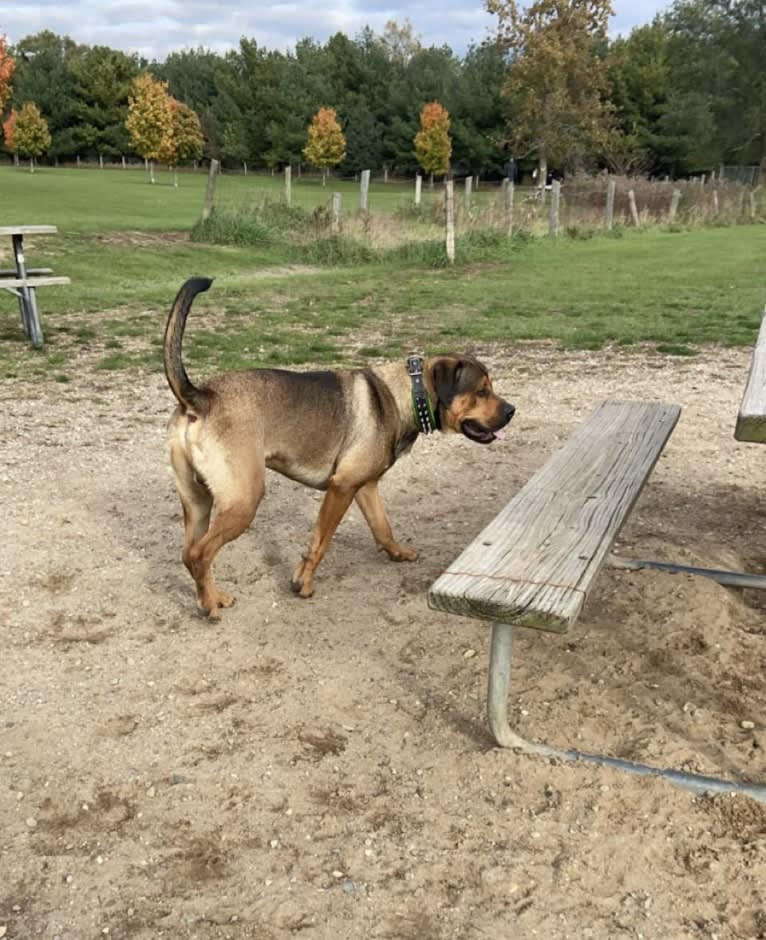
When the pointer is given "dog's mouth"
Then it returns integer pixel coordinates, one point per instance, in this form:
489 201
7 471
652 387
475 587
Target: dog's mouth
479 433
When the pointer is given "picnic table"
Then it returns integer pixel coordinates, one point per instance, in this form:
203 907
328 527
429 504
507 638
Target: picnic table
535 563
23 281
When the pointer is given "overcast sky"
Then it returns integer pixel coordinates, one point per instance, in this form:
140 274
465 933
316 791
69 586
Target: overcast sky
155 27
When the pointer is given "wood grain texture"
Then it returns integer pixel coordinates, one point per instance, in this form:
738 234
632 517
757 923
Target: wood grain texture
535 562
33 281
28 229
751 421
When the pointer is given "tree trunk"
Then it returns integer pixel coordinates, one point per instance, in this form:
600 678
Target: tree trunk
431 181
31 164
324 176
151 171
542 169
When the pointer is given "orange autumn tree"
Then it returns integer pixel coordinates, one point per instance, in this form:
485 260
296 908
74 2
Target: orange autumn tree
326 144
433 146
149 120
184 140
9 131
7 68
26 133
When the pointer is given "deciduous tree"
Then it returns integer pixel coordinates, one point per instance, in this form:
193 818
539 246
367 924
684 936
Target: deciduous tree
556 82
29 134
149 122
433 146
7 68
326 144
184 140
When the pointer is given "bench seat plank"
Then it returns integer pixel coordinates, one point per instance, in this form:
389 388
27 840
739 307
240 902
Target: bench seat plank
751 421
32 281
534 563
12 272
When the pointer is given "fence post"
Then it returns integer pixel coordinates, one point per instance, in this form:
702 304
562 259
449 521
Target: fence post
449 213
675 199
364 189
418 185
123 162
244 167
288 186
553 212
468 188
610 191
207 208
715 202
508 205
335 219
753 208
633 208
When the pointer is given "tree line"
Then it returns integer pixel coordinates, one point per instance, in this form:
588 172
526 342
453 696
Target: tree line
680 95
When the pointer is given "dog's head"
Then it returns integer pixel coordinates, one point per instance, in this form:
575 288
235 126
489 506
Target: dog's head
466 401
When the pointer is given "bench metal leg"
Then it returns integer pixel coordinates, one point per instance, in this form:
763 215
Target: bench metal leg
501 652
731 579
30 318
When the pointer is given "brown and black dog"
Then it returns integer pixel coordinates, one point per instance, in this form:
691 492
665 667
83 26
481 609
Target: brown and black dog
334 431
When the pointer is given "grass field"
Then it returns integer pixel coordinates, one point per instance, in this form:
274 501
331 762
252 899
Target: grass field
124 245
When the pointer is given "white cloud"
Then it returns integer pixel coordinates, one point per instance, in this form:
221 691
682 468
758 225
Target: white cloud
155 27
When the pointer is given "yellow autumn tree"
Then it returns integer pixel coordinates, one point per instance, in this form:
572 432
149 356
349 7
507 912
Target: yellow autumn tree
7 68
557 79
26 133
433 146
326 145
184 140
149 120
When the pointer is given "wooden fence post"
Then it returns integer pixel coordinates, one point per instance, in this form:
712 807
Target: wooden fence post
468 188
610 191
335 220
449 213
715 202
753 207
508 193
418 186
553 212
123 162
207 208
633 208
675 199
244 167
364 189
288 186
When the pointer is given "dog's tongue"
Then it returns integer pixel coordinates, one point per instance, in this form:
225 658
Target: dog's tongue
499 434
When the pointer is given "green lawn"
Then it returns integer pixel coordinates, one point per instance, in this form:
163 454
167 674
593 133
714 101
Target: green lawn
677 290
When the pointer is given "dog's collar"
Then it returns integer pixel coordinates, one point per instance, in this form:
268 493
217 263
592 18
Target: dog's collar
421 404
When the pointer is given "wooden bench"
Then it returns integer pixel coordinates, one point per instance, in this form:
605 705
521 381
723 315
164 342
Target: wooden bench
535 563
751 421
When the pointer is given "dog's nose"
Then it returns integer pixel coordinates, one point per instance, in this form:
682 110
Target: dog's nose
508 411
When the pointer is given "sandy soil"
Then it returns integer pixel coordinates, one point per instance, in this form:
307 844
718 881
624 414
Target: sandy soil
323 767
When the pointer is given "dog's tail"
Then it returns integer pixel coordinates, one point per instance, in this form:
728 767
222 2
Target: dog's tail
180 384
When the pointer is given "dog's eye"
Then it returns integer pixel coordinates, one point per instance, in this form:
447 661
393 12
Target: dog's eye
482 393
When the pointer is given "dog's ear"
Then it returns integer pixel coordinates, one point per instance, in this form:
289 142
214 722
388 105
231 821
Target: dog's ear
446 375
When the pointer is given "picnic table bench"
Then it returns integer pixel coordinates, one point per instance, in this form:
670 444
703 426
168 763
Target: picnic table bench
23 281
751 421
535 563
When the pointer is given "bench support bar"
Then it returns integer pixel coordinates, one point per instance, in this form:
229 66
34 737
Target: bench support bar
731 579
501 651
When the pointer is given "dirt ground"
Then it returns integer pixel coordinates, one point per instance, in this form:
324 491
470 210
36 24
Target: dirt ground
323 767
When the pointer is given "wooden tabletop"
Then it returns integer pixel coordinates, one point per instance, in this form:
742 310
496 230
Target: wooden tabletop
28 230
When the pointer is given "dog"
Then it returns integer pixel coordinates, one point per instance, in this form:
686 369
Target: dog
334 431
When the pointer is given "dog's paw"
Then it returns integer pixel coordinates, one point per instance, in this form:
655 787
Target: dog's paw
402 553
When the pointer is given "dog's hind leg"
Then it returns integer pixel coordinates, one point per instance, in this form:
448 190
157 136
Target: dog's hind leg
196 501
369 501
237 494
337 499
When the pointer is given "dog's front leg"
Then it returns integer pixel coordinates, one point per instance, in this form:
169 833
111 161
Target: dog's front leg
336 501
369 501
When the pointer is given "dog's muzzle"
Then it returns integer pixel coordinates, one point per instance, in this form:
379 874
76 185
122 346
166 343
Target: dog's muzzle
485 434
